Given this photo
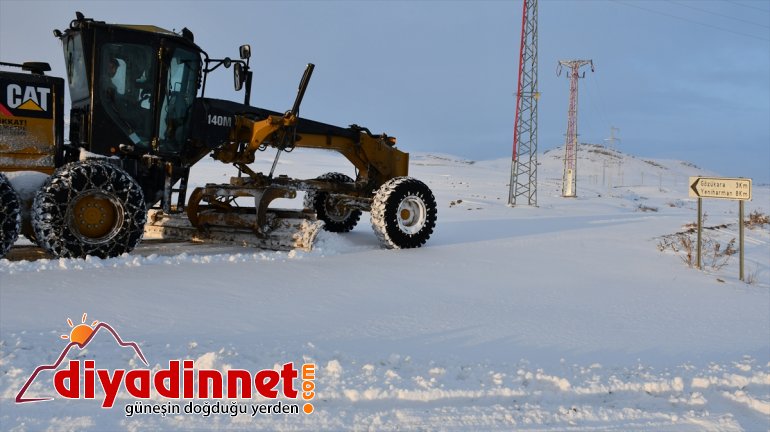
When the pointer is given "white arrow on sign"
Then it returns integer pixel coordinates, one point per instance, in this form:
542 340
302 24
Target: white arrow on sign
718 187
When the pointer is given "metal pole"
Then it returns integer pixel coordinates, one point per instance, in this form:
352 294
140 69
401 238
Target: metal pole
247 96
700 228
740 234
524 161
604 173
569 178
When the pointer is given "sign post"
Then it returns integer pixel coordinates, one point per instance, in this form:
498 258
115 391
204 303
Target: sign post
740 234
700 230
737 189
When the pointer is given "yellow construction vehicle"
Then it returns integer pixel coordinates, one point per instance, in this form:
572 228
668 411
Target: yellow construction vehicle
139 120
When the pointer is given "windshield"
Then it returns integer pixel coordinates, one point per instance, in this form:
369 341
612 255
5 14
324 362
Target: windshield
76 68
179 94
126 82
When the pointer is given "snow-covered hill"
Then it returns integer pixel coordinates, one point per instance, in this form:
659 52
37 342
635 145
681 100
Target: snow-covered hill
566 316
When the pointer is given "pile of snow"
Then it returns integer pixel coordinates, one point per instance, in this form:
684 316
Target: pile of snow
565 316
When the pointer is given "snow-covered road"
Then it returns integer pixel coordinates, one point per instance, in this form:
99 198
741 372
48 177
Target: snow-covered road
561 317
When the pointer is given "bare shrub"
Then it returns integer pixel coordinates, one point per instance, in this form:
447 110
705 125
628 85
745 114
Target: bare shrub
717 256
714 254
681 244
757 219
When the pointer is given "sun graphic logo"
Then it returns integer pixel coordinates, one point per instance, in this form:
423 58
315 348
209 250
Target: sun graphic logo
81 332
79 337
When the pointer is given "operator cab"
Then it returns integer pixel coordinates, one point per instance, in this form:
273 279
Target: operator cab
138 84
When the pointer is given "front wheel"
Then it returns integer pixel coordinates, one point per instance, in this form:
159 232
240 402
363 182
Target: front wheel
337 217
89 208
10 215
403 213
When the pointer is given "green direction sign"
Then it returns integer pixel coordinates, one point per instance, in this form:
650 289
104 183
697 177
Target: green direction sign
718 187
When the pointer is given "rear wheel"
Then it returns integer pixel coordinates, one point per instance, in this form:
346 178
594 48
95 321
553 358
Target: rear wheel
10 215
89 208
403 213
336 216
27 184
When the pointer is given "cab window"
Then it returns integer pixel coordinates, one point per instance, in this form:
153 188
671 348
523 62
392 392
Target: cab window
177 100
76 68
126 82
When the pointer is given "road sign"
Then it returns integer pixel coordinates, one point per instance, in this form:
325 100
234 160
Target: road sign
738 189
718 187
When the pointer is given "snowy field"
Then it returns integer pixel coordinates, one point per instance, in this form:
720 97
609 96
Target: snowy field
564 317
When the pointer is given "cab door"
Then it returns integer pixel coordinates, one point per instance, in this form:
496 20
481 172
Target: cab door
125 82
178 89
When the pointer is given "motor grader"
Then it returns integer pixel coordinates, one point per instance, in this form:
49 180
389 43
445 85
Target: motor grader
139 120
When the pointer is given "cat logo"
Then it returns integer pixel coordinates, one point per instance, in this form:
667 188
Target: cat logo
27 98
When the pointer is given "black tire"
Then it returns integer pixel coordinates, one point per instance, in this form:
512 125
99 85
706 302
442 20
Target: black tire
10 215
403 213
336 218
29 182
89 208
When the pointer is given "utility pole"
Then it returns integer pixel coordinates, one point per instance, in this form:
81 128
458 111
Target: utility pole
523 183
612 152
612 139
569 179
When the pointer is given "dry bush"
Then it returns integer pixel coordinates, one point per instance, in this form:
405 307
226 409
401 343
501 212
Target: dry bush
681 244
757 219
684 245
716 256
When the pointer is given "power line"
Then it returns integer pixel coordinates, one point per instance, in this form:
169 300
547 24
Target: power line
602 105
691 21
719 14
747 6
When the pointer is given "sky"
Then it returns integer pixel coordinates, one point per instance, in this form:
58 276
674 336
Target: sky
680 79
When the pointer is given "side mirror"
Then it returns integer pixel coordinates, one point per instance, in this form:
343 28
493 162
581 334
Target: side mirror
245 51
239 76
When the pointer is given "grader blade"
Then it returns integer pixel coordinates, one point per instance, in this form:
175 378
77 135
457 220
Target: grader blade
287 229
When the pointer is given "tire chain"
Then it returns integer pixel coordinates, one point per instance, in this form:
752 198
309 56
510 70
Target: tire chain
10 215
379 206
52 202
310 203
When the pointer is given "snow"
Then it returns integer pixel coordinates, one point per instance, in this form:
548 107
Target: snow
26 183
560 317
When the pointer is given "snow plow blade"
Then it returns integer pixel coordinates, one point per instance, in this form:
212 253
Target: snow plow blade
285 230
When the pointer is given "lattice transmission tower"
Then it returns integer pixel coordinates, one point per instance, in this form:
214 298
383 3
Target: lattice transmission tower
524 165
569 179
